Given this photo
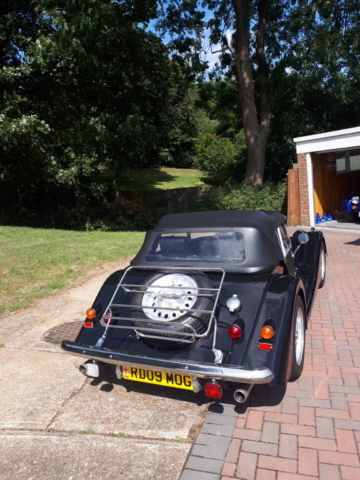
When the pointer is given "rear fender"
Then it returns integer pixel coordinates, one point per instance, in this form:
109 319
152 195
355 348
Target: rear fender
278 306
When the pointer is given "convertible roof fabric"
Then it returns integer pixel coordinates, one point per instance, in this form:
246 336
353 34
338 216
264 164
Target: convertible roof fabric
262 246
262 220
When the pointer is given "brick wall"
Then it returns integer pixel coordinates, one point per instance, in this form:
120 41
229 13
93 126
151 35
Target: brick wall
303 190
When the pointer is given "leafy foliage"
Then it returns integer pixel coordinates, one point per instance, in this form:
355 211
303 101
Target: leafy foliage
245 196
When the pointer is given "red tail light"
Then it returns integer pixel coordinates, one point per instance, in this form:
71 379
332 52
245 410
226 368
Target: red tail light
107 318
234 331
213 390
265 346
88 324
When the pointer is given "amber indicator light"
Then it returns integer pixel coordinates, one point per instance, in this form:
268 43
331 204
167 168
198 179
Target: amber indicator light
90 314
267 332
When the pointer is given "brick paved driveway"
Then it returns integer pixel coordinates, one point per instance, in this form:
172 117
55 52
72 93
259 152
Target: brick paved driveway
314 432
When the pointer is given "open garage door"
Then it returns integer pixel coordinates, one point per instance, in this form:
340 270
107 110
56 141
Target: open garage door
336 175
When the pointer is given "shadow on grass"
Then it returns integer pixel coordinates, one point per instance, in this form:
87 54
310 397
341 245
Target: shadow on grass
140 179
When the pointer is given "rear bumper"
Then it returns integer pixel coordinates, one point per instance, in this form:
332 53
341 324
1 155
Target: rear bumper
229 373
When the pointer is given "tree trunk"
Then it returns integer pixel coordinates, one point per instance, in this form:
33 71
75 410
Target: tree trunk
257 127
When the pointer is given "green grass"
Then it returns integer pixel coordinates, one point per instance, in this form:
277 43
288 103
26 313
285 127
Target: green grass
88 432
121 435
35 263
154 178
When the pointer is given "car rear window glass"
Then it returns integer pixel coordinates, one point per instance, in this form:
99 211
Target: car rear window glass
218 247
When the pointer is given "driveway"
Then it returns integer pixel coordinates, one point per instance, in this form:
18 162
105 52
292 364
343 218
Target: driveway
311 430
57 424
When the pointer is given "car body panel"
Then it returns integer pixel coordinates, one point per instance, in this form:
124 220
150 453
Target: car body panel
266 295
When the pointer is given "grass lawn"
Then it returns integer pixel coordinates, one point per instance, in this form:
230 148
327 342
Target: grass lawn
36 262
154 178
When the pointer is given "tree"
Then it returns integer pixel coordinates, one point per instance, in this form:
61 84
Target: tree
266 43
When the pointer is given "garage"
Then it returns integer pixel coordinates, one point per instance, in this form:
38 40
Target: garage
328 172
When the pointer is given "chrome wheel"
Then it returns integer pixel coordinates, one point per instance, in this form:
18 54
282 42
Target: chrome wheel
323 265
299 336
166 302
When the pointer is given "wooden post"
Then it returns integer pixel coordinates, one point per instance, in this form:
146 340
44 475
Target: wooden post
293 207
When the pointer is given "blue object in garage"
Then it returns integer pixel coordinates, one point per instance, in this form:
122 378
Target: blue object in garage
324 217
330 217
317 219
351 207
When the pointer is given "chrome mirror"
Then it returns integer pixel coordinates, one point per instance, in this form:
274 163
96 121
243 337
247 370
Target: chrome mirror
303 238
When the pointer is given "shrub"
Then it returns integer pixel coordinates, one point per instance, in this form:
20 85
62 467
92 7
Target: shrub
221 159
245 197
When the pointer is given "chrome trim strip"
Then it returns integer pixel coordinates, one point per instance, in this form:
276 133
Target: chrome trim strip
202 370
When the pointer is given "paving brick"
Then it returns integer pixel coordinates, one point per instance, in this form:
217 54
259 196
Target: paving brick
259 447
353 398
347 424
321 392
329 472
276 463
212 440
220 419
339 401
193 475
325 427
233 452
288 446
255 420
293 476
218 453
240 422
290 405
204 464
270 432
228 469
354 410
246 466
349 473
308 462
317 443
307 416
247 434
337 458
219 430
312 402
332 413
265 474
280 418
350 379
345 441
343 389
298 430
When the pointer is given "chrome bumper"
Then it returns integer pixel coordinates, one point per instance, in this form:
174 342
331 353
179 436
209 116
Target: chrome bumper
201 370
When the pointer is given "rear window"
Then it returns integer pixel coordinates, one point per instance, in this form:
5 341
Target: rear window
217 247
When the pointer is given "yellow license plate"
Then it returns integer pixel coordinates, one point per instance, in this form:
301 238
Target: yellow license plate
159 378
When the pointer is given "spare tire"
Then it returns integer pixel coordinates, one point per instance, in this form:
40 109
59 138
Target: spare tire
150 304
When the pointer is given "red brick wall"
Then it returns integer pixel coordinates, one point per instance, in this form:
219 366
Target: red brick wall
303 190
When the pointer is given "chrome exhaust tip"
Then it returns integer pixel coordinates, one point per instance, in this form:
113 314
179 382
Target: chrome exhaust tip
90 369
242 394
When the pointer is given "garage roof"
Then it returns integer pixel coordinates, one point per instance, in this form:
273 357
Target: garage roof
324 142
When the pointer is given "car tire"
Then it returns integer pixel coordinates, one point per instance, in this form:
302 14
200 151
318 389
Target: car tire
197 320
322 266
298 339
351 216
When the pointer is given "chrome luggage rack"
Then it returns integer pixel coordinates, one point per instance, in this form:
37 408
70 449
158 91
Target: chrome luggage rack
188 336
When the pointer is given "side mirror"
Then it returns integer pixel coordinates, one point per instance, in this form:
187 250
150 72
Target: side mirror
303 237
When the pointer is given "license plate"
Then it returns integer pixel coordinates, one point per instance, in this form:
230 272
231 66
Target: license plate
159 378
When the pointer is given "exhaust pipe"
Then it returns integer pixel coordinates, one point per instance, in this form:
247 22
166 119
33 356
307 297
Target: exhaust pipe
242 394
90 369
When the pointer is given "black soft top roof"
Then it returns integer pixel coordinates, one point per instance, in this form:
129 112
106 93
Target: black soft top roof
263 220
263 251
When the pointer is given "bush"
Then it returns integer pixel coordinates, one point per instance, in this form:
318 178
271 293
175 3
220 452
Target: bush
245 197
219 158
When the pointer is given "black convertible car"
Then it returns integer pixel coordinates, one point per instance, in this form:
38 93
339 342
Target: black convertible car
211 299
